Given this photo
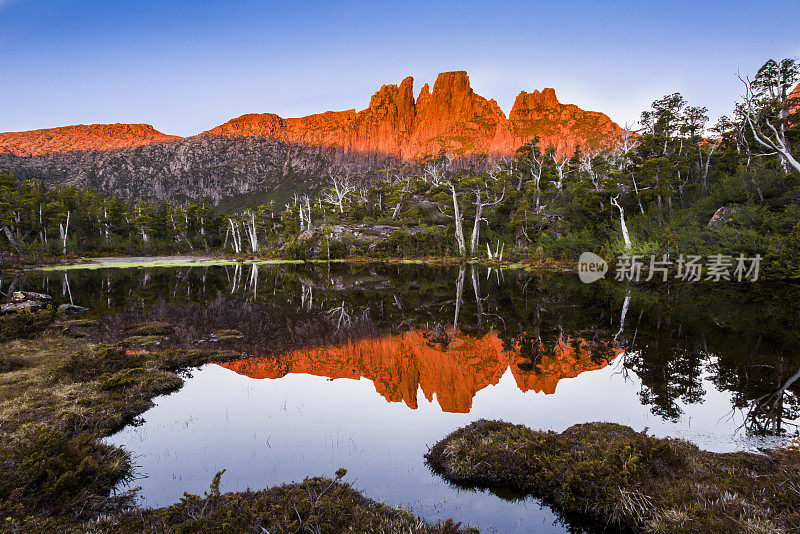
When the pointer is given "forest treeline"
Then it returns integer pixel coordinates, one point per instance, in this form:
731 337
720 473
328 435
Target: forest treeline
673 185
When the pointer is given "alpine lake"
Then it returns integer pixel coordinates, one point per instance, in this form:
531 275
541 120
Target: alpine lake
365 366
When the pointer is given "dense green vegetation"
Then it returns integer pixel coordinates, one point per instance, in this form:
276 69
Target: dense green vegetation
50 221
652 191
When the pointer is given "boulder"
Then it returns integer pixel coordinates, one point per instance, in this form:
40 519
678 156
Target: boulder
22 296
13 307
71 309
723 215
369 235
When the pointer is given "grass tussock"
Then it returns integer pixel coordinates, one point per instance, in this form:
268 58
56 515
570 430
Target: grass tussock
25 324
53 475
627 479
149 328
316 505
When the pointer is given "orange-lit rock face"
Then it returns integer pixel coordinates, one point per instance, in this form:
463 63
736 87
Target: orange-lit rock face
450 117
399 365
563 126
80 137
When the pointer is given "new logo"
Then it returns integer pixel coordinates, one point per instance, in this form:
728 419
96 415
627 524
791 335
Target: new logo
591 267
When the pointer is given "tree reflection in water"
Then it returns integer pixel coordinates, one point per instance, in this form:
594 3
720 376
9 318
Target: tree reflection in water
671 336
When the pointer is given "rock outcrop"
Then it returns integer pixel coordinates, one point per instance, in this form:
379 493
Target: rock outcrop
80 137
724 215
450 117
22 301
563 126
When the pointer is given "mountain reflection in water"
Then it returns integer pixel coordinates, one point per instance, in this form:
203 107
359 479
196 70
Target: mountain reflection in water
400 365
716 364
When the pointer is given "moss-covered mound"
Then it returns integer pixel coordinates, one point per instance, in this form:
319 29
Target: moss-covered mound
314 505
25 324
627 479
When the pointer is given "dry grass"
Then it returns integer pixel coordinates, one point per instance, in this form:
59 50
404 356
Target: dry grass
316 505
628 480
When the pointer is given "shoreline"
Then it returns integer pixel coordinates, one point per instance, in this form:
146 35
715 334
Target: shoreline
199 260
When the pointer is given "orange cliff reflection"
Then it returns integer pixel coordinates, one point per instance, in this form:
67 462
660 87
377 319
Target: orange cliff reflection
399 365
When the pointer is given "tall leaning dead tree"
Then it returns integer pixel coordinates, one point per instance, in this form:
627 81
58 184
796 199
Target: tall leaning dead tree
462 247
235 235
625 235
766 109
435 174
403 192
303 204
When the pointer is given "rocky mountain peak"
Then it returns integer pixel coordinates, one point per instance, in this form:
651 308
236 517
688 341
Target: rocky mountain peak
535 100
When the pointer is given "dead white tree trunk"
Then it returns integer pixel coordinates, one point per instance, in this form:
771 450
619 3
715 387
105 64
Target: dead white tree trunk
41 225
142 230
462 247
625 236
203 232
105 223
403 193
706 163
236 238
63 230
588 168
537 166
620 158
252 233
181 232
476 227
434 173
498 251
339 193
560 165
304 207
12 239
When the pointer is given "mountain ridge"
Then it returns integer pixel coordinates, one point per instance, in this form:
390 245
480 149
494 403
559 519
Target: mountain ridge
450 116
80 137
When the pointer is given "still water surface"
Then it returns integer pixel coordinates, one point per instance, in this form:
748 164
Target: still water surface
364 367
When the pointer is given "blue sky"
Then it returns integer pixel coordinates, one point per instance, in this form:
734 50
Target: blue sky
185 66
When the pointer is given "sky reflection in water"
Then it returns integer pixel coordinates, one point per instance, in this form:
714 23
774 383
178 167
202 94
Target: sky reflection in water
383 375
